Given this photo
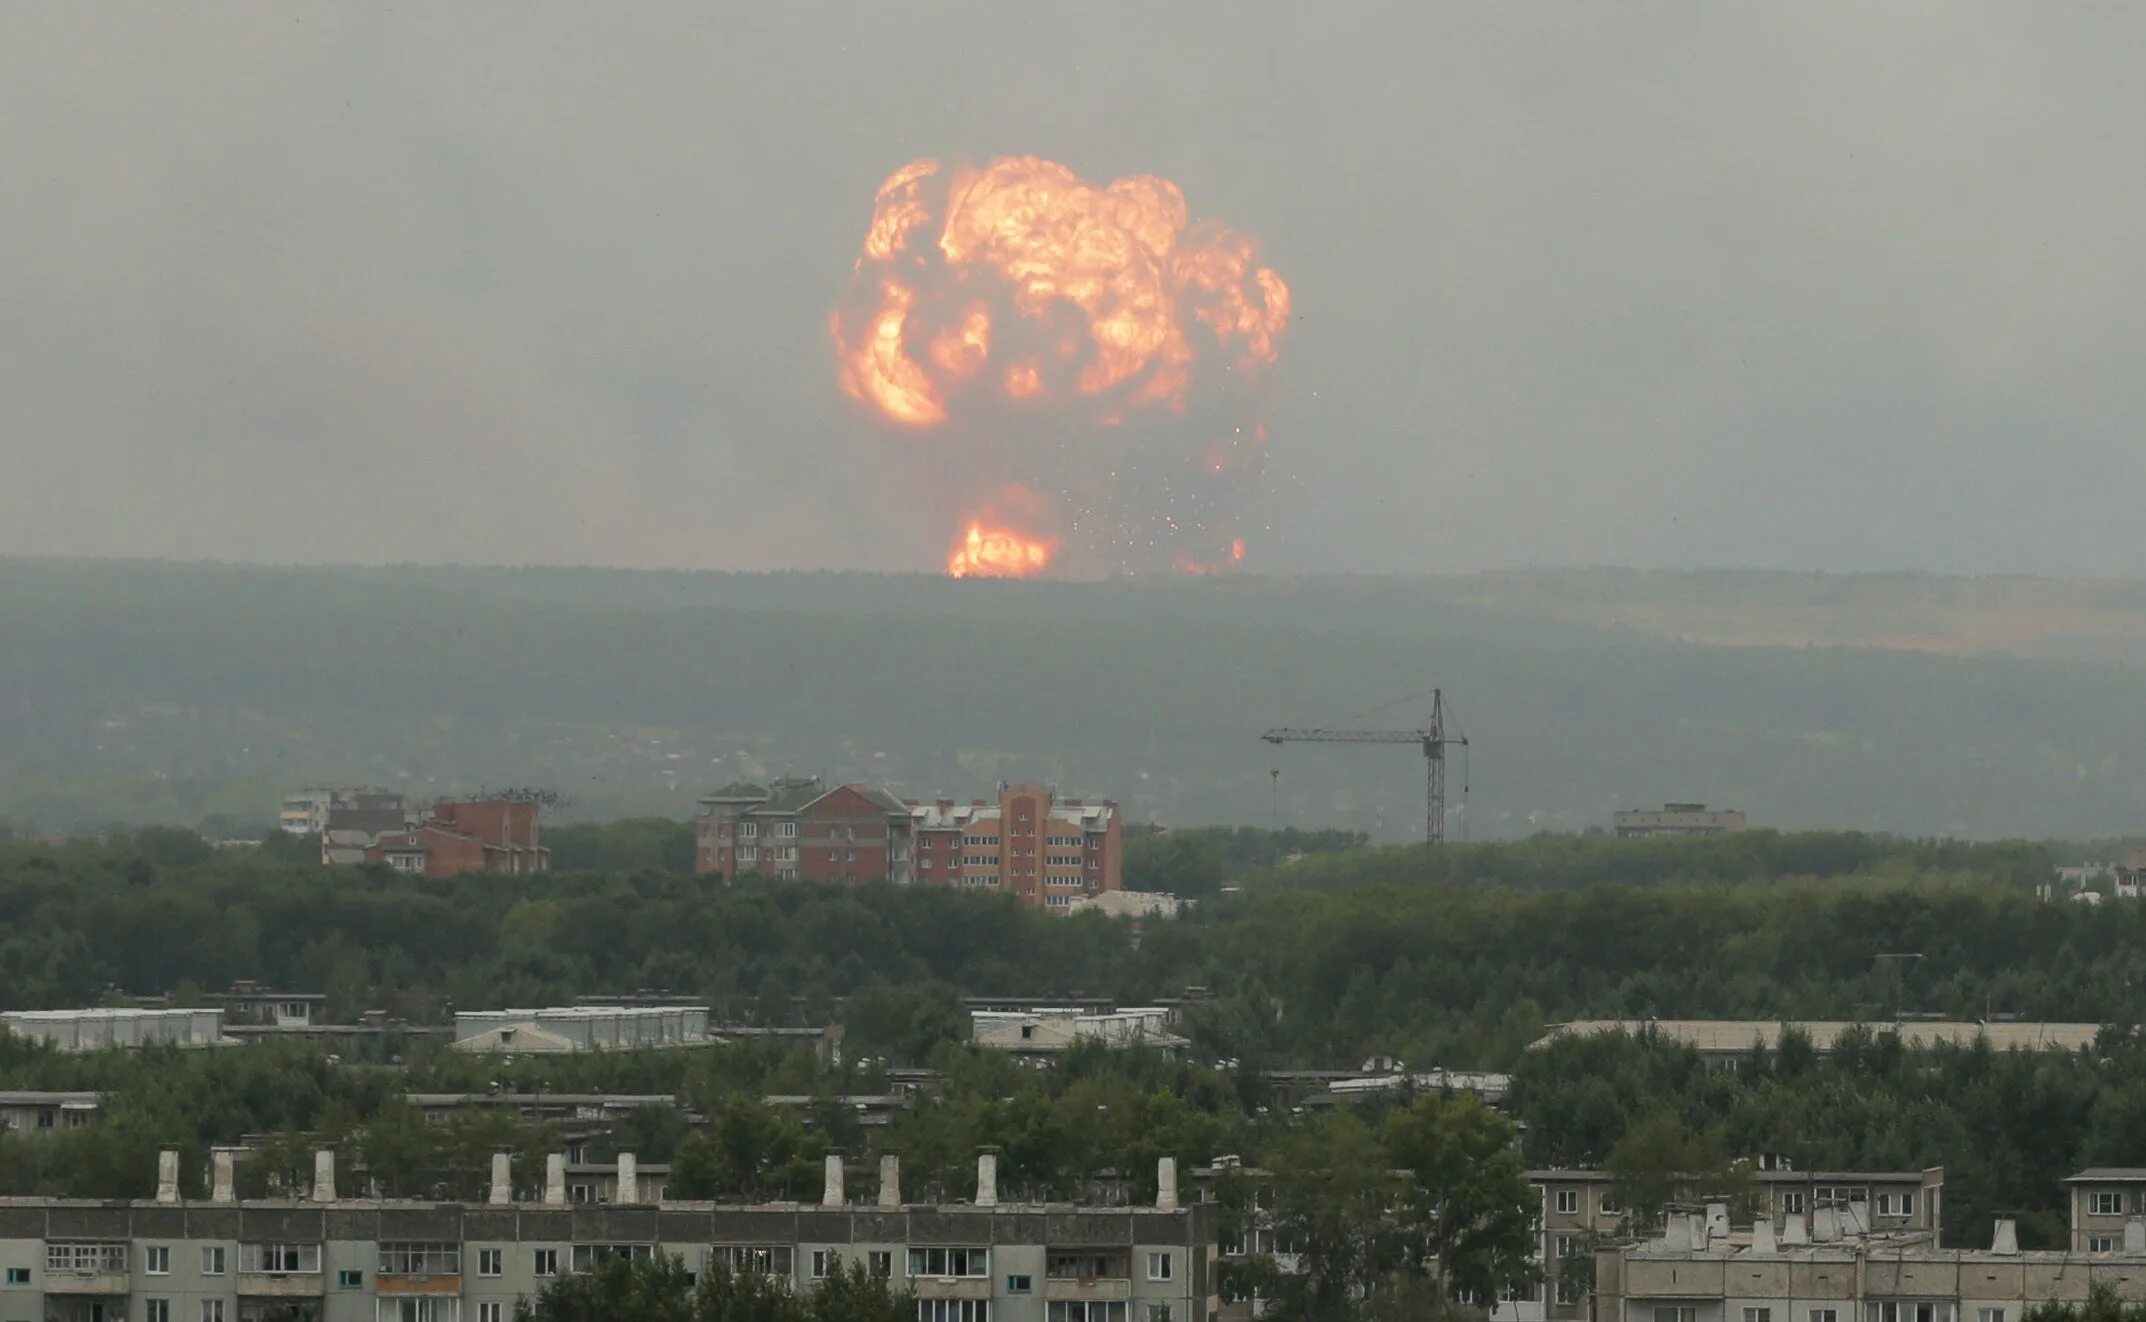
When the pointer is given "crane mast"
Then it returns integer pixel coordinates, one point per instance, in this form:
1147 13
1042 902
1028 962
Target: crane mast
1431 737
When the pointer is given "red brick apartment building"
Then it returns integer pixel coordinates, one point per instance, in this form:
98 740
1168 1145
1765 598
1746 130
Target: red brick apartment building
467 835
1029 843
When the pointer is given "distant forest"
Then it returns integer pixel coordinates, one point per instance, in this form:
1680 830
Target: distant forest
163 693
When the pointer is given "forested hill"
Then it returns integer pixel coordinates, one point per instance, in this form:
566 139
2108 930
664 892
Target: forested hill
162 692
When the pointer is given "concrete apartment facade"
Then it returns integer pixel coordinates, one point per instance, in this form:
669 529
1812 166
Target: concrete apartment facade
1821 1271
101 1029
1049 851
1578 1210
572 1028
2105 1203
1676 819
335 1260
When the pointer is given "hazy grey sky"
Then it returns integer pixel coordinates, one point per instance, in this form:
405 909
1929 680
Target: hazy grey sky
1813 285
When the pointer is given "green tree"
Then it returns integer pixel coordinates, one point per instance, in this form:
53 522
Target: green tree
1467 1202
655 1289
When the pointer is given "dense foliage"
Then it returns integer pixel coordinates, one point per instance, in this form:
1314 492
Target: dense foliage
661 1290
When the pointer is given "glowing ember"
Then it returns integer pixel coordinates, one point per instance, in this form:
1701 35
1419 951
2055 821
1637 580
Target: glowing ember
1033 319
998 553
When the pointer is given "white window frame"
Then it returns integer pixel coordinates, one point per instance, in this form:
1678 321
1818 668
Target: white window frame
1566 1202
156 1310
156 1260
212 1310
825 1263
2102 1203
491 1262
1160 1266
213 1260
544 1263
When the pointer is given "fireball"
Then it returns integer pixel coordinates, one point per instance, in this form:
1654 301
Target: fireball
1089 341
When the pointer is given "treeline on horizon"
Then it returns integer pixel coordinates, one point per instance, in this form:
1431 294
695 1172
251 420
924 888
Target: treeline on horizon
141 693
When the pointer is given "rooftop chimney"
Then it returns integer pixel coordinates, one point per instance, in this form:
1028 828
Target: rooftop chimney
221 1185
555 1179
1792 1231
324 1176
890 1181
832 1190
1762 1240
167 1176
1676 1233
1717 1220
1166 1184
629 1179
502 1179
987 1178
2006 1240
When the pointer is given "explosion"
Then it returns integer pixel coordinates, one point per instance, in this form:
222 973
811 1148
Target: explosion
1087 348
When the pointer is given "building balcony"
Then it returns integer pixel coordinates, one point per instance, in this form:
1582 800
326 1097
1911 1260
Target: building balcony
281 1285
952 1287
388 1285
89 1282
1088 1287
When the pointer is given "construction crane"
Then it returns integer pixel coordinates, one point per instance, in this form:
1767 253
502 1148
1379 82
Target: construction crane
1433 739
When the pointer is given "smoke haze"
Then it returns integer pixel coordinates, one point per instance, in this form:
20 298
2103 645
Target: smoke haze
1824 287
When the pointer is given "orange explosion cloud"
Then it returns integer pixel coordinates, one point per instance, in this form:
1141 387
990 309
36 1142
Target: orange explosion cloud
990 299
998 553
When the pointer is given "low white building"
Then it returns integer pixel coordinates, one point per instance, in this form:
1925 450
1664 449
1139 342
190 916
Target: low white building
1048 1032
1127 904
104 1029
567 1028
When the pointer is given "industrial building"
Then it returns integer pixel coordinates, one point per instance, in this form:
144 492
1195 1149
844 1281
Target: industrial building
1677 819
101 1029
1045 1033
568 1028
1722 1042
329 1259
1029 842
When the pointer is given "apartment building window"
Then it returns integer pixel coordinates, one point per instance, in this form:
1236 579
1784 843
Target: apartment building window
1894 1311
1020 1284
1093 1310
1568 1201
589 1256
212 1260
2101 1243
490 1262
957 1310
748 830
1896 1204
420 1259
748 854
1824 1315
2105 1204
546 1263
1159 1313
880 1262
85 1259
156 1260
212 1310
1568 1292
1758 1315
491 1313
156 1310
786 830
1159 1266
418 1310
765 1259
1676 1313
350 1279
279 1259
949 1262
1989 1315
18 1276
1568 1246
825 1263
1792 1203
